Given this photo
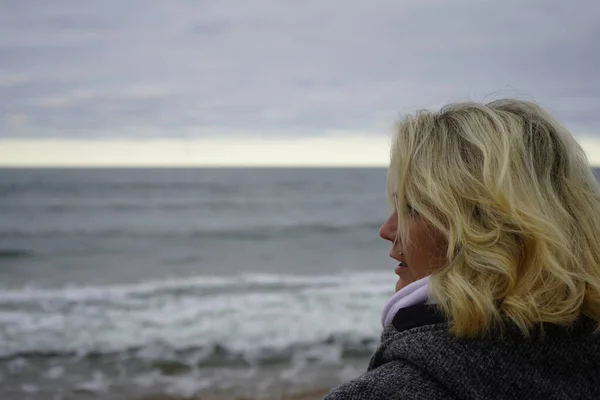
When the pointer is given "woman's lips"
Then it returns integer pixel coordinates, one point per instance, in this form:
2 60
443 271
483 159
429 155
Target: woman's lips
400 268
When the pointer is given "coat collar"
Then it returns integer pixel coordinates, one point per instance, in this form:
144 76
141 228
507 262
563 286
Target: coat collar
416 315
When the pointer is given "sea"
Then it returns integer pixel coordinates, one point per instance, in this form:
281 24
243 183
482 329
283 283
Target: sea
134 283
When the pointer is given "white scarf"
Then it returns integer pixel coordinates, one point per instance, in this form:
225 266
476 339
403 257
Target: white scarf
411 294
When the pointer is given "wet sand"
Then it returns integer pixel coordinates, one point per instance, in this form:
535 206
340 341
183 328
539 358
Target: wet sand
316 394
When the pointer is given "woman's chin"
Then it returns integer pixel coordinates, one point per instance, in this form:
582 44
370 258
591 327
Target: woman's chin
401 283
405 277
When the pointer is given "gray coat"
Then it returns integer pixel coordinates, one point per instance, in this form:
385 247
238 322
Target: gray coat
419 359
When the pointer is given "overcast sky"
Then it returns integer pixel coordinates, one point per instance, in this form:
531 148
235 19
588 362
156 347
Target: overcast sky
132 69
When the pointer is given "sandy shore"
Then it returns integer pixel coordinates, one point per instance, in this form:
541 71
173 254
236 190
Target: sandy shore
316 394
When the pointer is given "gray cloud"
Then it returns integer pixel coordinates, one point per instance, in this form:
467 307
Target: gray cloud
134 67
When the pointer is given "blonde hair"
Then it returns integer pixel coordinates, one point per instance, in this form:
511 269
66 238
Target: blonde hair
515 197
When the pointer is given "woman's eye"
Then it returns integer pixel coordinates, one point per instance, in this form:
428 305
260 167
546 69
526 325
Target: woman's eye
409 208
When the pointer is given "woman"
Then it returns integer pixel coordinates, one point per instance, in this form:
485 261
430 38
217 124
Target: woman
496 230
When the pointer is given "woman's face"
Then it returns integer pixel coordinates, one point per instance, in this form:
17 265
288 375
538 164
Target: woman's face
418 258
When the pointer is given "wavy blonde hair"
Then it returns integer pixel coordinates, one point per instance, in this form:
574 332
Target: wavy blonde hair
518 203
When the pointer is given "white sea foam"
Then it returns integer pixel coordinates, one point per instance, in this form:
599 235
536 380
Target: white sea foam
29 388
98 384
245 314
55 372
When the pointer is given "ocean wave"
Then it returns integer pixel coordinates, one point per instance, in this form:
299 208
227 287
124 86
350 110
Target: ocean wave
11 254
93 187
332 348
69 204
261 316
247 233
190 285
200 287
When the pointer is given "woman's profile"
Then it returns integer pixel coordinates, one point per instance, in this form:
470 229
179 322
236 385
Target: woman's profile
495 226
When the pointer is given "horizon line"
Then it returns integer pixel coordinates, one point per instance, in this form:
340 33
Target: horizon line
308 152
157 166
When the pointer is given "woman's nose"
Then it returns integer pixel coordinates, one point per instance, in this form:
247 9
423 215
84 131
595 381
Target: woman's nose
389 228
